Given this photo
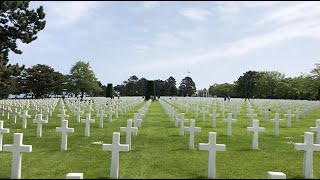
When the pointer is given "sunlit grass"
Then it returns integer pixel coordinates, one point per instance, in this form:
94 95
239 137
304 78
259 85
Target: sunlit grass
158 151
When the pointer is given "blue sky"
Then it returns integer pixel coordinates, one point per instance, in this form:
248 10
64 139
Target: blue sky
216 41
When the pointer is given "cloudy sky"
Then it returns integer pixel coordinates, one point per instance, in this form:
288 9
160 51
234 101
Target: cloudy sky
216 41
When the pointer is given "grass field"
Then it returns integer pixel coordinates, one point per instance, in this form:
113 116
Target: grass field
159 151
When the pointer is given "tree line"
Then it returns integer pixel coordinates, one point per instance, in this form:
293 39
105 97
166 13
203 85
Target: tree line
271 84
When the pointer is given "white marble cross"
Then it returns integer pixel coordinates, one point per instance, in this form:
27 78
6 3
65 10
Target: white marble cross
15 113
63 115
255 129
252 116
289 116
204 113
115 147
24 118
101 115
308 147
182 121
17 148
212 147
317 129
229 121
78 113
297 115
64 130
197 109
192 130
129 130
39 122
276 121
87 121
136 122
110 114
2 131
214 116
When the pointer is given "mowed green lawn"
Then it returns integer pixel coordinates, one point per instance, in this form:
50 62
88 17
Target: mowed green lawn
159 151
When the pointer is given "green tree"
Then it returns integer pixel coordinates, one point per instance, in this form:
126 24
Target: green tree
16 22
187 87
245 84
41 80
82 79
172 87
222 90
315 73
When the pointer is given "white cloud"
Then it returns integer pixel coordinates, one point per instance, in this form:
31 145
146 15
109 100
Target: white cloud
166 40
291 13
62 14
196 14
240 47
150 4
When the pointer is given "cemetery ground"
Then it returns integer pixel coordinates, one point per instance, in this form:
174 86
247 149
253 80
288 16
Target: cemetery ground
158 151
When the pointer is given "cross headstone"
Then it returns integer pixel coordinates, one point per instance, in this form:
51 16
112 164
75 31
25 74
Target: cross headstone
24 118
276 121
255 129
182 121
78 113
192 130
17 148
2 131
251 116
136 122
308 147
64 130
214 116
317 129
39 122
63 115
115 147
129 130
203 111
266 115
87 121
101 115
15 113
229 121
289 116
212 147
110 114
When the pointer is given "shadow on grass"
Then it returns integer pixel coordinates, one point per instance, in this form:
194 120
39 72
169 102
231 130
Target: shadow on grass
201 177
246 149
105 178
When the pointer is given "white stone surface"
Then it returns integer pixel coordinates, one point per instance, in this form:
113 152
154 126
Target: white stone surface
308 147
229 121
74 176
192 129
317 130
214 116
255 129
129 130
182 121
276 121
101 116
88 121
212 147
276 175
17 148
115 148
24 117
289 116
2 131
39 122
64 130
